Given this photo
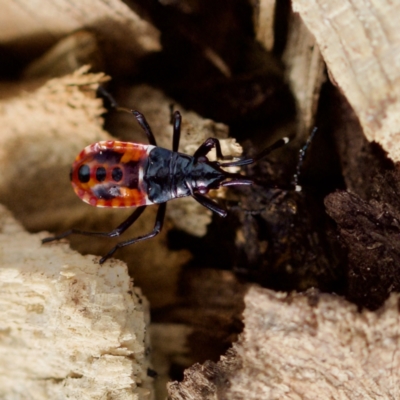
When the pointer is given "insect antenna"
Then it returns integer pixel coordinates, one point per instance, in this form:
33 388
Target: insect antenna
294 185
238 163
302 153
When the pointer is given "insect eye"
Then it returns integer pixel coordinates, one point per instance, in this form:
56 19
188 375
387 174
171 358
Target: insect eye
84 173
101 174
116 174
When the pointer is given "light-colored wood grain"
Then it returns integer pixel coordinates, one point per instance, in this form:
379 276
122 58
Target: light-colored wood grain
66 56
43 22
305 73
69 328
304 347
42 132
360 43
264 13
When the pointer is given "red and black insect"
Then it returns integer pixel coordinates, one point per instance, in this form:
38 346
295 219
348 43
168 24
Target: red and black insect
124 174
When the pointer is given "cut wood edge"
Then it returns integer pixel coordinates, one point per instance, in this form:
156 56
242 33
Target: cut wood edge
70 327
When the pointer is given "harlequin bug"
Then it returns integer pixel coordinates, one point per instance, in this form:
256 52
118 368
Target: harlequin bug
124 174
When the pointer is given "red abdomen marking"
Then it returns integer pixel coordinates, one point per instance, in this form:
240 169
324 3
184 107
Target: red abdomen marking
110 174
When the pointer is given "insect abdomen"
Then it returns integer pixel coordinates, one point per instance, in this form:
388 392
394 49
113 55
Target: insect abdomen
110 174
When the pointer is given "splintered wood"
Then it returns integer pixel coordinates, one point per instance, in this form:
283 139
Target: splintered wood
69 328
360 43
46 129
304 346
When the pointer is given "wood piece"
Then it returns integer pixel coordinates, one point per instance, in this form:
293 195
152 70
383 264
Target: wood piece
366 217
47 128
305 73
66 56
70 328
264 13
309 346
360 43
213 298
169 344
370 231
41 23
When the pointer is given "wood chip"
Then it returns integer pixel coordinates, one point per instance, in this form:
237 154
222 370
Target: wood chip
360 43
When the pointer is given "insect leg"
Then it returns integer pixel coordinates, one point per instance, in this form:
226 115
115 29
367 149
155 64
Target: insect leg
176 122
207 146
145 126
211 205
237 181
114 233
139 116
156 230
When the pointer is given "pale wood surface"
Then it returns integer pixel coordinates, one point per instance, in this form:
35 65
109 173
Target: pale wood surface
70 328
305 73
303 346
290 348
360 43
264 22
46 21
